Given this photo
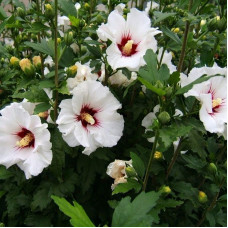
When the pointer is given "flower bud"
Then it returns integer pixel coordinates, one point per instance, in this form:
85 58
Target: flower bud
77 6
27 66
14 61
176 30
59 40
2 61
164 117
49 12
165 190
87 6
99 19
212 25
212 168
20 12
71 71
158 155
202 23
68 38
169 91
159 84
130 171
36 61
202 197
222 24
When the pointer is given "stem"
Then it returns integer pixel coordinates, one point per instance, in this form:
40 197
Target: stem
56 62
141 5
211 205
150 161
163 51
174 158
180 65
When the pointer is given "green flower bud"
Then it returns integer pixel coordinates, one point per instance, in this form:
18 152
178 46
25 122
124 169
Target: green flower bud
2 60
164 117
68 38
222 24
212 24
87 6
202 197
169 91
165 190
130 171
212 168
20 12
159 84
99 19
49 11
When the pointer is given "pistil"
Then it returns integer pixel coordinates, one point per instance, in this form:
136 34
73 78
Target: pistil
88 118
26 140
216 102
128 47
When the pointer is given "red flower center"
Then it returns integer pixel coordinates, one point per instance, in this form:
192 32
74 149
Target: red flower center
127 46
87 116
27 138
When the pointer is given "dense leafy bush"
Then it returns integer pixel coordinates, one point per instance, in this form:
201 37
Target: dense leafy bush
113 113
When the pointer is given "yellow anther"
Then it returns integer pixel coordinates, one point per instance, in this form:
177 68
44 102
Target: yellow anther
128 47
216 102
26 140
88 118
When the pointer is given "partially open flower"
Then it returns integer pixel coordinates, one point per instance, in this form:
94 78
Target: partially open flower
117 171
90 118
27 66
130 39
24 140
36 61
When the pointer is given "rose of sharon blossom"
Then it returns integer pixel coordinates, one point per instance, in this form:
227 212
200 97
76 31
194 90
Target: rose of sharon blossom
130 39
121 80
24 140
90 118
116 170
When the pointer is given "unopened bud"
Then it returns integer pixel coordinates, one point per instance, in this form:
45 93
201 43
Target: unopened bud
27 66
99 19
202 197
14 61
58 40
130 171
20 12
2 61
159 84
36 61
176 30
169 91
202 22
164 117
212 168
49 12
165 190
222 24
158 155
87 6
68 38
71 71
212 24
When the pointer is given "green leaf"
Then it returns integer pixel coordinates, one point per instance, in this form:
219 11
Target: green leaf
3 51
186 88
74 21
149 86
126 72
94 50
171 35
42 107
78 216
135 213
194 162
37 27
164 73
63 89
47 84
174 78
2 14
68 7
138 164
126 187
46 47
162 16
149 72
4 173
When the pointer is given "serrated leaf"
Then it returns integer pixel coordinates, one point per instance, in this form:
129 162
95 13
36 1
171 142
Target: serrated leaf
135 213
149 86
174 78
186 88
68 7
163 73
74 21
126 187
162 16
4 173
40 199
194 162
78 216
171 35
94 50
42 107
138 164
46 84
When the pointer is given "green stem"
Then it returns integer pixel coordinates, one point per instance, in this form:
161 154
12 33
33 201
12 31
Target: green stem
211 205
183 49
174 158
56 62
150 161
141 5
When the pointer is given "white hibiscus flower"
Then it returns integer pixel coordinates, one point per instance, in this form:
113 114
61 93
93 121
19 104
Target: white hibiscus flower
24 140
130 39
212 95
116 170
90 118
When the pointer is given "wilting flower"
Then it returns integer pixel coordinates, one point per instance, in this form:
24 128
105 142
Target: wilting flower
24 140
84 73
121 80
117 171
212 95
130 39
90 118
